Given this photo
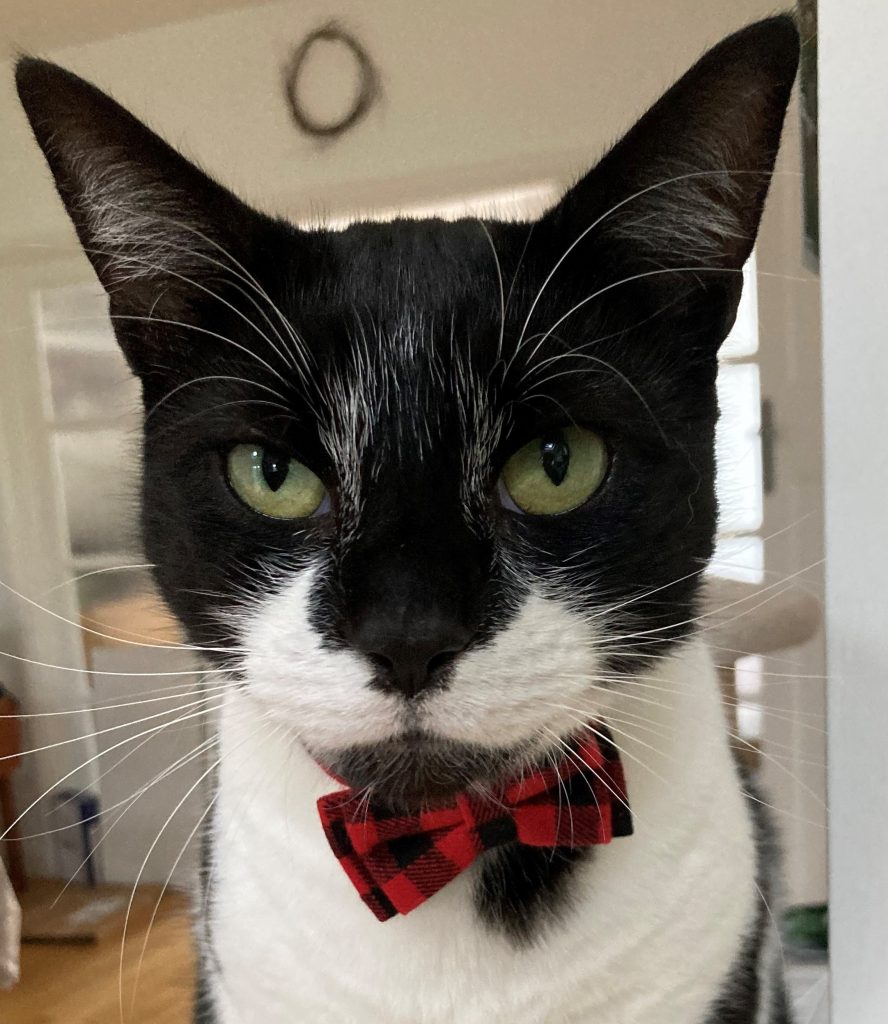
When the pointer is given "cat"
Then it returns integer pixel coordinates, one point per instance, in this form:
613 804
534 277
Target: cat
437 496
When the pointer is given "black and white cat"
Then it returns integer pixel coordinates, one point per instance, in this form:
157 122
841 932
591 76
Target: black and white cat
436 495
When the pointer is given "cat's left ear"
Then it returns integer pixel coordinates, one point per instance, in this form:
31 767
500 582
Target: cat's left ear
683 192
153 225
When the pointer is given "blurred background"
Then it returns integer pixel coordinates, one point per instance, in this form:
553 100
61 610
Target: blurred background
454 107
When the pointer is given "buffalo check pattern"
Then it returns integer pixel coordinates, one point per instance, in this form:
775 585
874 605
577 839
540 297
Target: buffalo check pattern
397 861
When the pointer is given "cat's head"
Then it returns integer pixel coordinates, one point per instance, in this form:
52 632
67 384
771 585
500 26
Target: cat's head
432 489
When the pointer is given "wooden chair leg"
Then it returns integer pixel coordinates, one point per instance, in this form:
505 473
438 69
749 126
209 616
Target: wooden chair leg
15 857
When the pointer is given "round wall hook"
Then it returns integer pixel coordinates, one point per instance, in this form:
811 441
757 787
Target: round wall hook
367 87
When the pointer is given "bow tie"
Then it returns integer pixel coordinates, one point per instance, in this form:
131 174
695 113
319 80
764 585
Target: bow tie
397 861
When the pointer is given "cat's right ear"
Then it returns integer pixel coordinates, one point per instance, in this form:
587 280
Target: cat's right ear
152 224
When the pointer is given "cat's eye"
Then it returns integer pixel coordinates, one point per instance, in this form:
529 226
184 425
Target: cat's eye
274 484
556 472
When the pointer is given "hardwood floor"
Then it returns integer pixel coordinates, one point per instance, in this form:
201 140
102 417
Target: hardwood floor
79 984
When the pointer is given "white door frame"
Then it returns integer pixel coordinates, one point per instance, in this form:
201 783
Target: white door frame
34 560
854 231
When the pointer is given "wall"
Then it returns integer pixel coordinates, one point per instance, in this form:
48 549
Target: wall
854 211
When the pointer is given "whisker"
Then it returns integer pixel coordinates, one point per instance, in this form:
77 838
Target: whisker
619 732
584 767
621 685
206 379
141 871
130 802
114 707
207 810
234 822
166 271
96 572
613 209
571 350
109 672
695 620
85 764
94 632
610 712
110 728
562 790
111 768
782 767
790 815
244 275
285 413
777 929
618 373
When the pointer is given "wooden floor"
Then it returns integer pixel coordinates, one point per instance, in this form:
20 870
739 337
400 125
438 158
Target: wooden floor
79 984
67 983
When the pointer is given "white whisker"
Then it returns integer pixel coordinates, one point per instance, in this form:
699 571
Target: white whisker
89 761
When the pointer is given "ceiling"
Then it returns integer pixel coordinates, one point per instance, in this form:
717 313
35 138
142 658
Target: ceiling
33 27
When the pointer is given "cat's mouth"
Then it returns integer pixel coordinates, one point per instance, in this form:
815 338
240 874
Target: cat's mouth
418 770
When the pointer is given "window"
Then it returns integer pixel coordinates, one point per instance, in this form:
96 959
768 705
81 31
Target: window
739 552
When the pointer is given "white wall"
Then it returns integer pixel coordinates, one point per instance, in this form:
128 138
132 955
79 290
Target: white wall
854 209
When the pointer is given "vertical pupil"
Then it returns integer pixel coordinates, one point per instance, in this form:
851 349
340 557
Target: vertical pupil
555 456
274 468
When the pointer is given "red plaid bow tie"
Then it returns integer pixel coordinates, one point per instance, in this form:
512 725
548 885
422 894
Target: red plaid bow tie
396 862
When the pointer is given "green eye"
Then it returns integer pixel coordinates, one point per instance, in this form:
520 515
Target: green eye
272 484
556 472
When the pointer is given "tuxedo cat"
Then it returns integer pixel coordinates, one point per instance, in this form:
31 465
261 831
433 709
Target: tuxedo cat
437 497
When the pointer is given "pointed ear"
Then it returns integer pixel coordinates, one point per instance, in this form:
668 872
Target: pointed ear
686 186
149 221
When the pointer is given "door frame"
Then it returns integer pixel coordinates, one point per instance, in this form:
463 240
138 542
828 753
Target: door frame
853 82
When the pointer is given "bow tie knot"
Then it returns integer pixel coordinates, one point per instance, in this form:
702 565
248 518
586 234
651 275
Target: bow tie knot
397 861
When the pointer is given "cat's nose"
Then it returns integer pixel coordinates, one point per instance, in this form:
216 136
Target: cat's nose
412 663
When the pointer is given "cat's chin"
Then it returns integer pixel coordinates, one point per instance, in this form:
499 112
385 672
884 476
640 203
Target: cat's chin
418 770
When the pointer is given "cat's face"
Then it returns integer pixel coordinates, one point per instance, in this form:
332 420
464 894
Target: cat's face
431 490
417 597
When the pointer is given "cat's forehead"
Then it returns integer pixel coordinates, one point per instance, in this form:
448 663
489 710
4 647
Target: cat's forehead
419 242
416 263
429 296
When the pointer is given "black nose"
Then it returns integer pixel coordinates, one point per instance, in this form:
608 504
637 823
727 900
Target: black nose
411 663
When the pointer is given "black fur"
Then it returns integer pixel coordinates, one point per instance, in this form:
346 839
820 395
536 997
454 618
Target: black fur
751 979
522 890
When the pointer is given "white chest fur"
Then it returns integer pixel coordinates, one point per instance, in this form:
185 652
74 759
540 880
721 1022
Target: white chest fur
655 925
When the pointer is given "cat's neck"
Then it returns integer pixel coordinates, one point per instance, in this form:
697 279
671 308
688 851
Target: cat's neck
284 911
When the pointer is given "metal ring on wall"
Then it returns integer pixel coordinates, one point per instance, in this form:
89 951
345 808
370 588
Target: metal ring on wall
368 82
